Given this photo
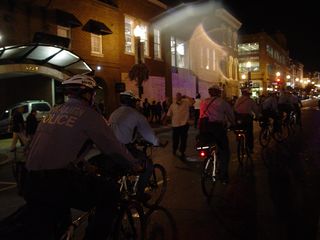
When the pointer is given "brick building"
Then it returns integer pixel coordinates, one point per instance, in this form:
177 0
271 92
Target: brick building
97 32
270 67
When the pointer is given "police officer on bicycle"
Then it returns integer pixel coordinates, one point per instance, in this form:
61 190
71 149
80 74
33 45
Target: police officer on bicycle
269 109
127 122
219 113
245 110
61 141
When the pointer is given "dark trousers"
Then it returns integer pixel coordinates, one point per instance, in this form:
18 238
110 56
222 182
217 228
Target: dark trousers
246 123
267 113
196 117
218 133
59 190
179 138
148 167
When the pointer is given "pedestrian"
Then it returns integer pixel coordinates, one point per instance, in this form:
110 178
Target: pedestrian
153 109
146 108
31 124
218 113
180 114
196 106
18 129
246 110
158 112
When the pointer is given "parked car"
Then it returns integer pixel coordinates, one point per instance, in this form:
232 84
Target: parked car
41 106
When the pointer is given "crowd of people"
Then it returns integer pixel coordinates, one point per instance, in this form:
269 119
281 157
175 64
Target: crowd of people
76 128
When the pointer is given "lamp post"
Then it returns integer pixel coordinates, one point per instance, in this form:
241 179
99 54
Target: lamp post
248 66
139 71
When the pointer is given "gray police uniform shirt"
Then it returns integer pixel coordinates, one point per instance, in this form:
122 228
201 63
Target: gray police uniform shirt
63 133
125 119
218 111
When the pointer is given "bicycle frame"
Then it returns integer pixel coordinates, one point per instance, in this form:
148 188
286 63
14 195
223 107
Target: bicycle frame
209 152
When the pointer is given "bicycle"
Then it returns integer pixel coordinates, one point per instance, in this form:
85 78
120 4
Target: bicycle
291 121
128 225
267 131
157 183
242 148
210 167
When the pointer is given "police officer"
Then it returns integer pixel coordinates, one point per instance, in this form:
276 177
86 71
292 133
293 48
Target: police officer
269 109
246 109
219 114
59 144
285 103
126 122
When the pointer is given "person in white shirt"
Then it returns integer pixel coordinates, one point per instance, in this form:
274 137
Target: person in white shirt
285 104
196 106
246 109
269 109
126 122
219 114
179 113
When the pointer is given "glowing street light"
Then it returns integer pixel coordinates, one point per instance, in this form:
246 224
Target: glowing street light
139 71
248 66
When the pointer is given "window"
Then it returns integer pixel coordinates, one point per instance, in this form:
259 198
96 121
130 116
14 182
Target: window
128 33
129 28
177 53
157 46
64 32
201 57
180 54
144 38
173 52
96 45
213 59
208 59
255 66
270 51
42 107
248 48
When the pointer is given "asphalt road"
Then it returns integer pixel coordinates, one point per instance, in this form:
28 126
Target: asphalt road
276 197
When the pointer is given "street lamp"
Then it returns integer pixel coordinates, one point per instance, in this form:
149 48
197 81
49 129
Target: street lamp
248 66
139 33
139 71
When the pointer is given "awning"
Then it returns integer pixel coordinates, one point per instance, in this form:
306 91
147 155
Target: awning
96 27
65 19
36 56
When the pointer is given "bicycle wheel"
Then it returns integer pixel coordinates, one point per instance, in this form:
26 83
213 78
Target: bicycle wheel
208 177
157 185
241 151
292 123
264 137
131 222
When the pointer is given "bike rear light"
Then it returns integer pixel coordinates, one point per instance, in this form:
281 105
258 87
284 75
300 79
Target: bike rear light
203 153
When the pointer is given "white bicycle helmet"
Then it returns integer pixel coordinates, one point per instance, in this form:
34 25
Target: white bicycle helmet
128 98
81 83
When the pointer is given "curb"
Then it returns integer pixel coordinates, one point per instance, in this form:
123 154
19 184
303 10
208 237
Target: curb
5 159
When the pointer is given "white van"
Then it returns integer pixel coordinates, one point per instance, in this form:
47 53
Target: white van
41 106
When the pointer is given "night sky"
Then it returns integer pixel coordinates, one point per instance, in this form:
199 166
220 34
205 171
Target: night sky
299 22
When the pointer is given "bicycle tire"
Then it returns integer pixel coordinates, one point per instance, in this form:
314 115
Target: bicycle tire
130 224
208 181
241 150
264 137
157 186
292 123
